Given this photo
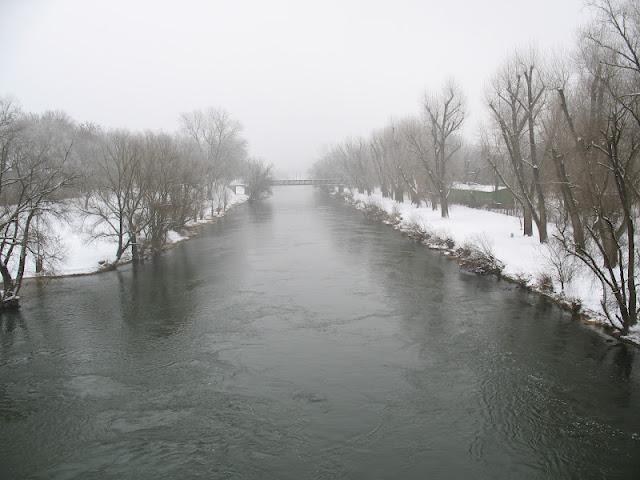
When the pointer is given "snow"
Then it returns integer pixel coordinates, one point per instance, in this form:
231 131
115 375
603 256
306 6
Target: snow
524 257
475 187
634 334
232 199
80 254
174 237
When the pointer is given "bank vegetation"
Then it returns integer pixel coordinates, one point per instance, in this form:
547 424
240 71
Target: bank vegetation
563 138
130 188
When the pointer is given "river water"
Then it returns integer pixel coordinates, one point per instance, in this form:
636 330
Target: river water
295 339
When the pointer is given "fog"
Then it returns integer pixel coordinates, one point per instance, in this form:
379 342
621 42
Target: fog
297 75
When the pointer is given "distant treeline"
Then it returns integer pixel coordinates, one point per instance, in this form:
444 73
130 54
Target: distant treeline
563 137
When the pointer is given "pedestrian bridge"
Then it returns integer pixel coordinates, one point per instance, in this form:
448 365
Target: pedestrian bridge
314 181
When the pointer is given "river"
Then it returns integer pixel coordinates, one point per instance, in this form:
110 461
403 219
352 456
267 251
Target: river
296 339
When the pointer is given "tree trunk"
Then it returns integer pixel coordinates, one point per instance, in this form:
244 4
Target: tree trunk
444 204
23 253
120 250
542 219
609 244
569 200
633 319
527 222
434 202
135 257
7 280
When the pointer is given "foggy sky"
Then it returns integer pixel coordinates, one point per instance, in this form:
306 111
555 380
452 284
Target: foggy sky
298 75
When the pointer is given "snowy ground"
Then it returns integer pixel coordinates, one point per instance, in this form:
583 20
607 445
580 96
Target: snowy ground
81 254
524 257
474 187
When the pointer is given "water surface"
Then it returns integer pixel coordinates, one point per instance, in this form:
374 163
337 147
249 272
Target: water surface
295 339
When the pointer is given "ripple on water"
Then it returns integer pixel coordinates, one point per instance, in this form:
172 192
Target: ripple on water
96 386
127 421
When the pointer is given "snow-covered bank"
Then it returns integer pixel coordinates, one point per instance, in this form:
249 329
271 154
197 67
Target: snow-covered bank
524 259
79 253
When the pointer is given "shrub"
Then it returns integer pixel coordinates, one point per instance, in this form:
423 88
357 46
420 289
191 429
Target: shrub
560 259
544 282
374 212
395 218
522 279
416 231
479 258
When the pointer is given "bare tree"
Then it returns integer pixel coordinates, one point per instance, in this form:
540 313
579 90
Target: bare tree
415 157
219 137
444 115
34 171
258 177
115 206
516 101
611 159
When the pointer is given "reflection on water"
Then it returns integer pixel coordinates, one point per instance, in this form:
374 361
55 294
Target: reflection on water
296 339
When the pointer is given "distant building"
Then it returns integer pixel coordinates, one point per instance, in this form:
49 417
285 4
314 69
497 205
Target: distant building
238 188
479 196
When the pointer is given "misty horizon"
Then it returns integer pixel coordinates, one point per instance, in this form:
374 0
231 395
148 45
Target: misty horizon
297 77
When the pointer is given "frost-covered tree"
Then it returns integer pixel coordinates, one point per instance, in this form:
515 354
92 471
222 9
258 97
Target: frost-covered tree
258 177
223 149
35 153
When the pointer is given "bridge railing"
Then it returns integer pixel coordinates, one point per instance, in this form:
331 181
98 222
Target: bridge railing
312 181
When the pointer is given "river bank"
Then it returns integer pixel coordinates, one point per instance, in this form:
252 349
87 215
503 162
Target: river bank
78 252
488 242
